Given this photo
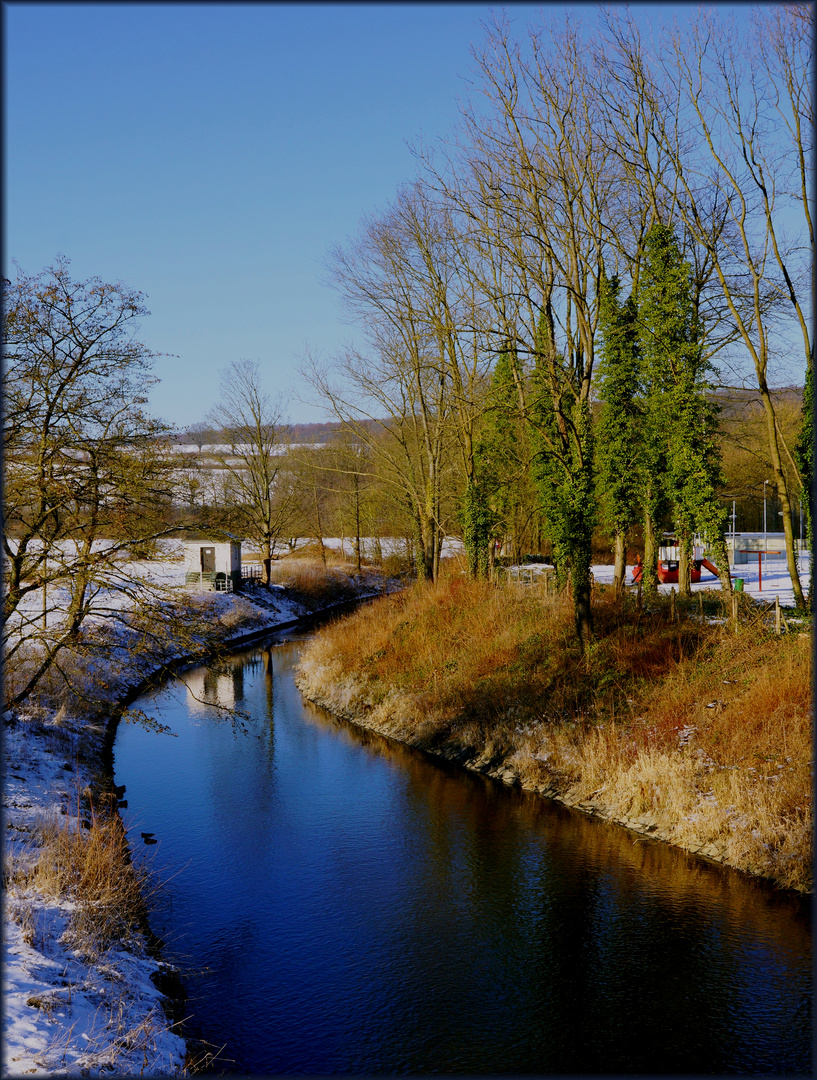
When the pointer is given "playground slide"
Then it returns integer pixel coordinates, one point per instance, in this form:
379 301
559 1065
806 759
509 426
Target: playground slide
710 566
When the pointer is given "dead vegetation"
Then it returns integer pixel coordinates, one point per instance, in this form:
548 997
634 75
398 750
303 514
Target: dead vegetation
703 733
84 864
317 585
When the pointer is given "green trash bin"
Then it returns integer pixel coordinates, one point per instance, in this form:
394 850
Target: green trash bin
738 583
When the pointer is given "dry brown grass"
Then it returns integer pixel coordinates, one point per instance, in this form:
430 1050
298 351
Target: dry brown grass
316 585
92 869
705 733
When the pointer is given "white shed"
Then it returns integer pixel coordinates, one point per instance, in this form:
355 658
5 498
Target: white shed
213 564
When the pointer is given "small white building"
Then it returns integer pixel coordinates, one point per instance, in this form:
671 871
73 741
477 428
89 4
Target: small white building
213 564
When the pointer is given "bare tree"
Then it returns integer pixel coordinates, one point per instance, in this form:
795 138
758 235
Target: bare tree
251 459
313 492
88 478
411 399
199 433
535 195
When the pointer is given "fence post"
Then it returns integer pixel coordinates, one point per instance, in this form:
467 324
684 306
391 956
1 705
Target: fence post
735 610
777 626
672 604
701 605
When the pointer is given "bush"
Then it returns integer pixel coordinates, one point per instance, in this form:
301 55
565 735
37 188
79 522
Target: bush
317 586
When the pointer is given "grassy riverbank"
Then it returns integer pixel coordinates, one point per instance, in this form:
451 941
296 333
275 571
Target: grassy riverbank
683 729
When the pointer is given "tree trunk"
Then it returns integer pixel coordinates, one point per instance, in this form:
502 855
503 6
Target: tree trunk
425 558
620 564
649 574
783 495
357 522
721 554
266 561
580 581
320 524
685 564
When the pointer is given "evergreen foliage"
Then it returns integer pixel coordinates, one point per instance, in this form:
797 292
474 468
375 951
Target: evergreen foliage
562 437
620 427
502 459
685 460
477 525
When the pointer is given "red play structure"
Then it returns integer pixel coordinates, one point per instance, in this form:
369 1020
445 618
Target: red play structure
667 570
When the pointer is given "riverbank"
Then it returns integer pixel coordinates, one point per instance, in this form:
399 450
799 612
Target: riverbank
681 730
85 989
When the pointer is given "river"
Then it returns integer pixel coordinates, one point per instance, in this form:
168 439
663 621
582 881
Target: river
340 903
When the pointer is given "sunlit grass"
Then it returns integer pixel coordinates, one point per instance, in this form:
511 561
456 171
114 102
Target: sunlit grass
705 732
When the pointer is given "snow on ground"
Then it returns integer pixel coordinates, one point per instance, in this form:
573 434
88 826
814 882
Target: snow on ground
776 580
63 1013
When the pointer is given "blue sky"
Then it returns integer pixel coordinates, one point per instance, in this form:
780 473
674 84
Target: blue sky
210 155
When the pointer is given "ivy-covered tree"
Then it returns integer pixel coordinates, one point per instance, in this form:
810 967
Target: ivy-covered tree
620 442
562 438
477 526
675 373
501 506
477 514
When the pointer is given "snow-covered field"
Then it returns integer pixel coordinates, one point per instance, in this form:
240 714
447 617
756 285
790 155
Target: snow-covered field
65 1013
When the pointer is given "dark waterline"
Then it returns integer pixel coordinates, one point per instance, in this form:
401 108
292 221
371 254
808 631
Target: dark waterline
340 903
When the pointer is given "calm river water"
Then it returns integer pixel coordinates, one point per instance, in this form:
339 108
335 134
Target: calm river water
340 903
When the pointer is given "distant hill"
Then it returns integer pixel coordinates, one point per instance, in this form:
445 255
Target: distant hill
297 433
736 401
732 401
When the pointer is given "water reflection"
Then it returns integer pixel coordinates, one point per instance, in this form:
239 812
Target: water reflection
364 908
221 686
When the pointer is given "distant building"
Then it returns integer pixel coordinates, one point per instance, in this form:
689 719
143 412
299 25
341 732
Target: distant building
742 546
213 564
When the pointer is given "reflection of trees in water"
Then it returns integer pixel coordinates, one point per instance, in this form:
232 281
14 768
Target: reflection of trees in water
259 666
221 685
597 874
239 768
495 894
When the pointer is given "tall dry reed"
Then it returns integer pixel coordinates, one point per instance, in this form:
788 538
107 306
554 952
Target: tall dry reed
92 869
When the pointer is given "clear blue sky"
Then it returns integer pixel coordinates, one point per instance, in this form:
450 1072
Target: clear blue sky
209 155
